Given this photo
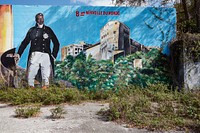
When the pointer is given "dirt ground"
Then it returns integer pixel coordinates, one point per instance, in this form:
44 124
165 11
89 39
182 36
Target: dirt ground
80 118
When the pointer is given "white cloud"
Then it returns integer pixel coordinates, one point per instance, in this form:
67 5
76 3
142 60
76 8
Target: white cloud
100 3
94 2
83 1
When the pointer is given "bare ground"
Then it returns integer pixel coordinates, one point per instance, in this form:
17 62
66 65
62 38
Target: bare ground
80 118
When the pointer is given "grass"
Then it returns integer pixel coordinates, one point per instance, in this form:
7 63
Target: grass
27 111
57 112
155 107
53 95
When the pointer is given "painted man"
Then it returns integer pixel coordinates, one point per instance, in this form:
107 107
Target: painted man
40 55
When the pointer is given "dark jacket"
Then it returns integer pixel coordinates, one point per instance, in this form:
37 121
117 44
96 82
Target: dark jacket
40 39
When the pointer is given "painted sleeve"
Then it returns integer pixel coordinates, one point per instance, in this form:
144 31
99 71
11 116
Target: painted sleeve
56 44
24 43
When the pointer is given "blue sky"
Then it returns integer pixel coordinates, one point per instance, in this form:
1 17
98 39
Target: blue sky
71 29
58 2
156 3
133 18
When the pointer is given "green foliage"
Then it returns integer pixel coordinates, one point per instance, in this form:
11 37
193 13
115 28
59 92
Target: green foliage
155 107
155 69
96 75
63 69
52 95
27 111
57 112
3 85
79 73
193 50
189 47
99 94
185 24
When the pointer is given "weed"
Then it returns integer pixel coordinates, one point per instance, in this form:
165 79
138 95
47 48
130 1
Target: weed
58 112
3 85
155 107
27 111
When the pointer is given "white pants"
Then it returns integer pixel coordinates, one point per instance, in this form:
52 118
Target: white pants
37 60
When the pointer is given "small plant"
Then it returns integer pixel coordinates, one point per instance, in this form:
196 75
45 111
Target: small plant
58 112
3 85
155 107
27 111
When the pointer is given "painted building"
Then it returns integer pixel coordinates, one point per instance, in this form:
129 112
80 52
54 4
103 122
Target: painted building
73 50
136 46
94 51
114 36
114 42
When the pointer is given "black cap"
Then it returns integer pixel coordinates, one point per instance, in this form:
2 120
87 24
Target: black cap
39 14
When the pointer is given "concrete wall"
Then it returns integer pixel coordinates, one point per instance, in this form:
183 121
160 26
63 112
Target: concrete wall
94 51
192 75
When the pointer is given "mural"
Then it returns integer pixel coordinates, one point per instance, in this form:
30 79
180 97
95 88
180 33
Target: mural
100 47
6 26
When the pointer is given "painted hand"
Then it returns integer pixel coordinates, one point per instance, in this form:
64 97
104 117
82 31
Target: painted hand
16 57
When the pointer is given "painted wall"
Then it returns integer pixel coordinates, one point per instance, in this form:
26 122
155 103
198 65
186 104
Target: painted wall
6 28
72 24
142 33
